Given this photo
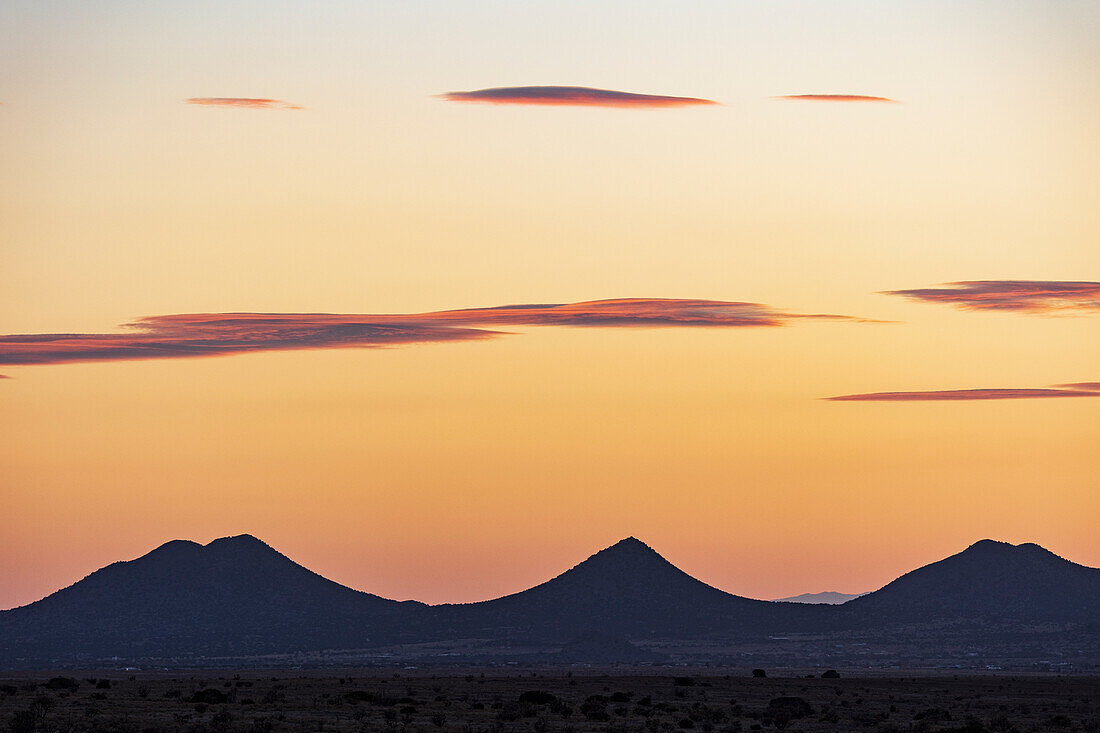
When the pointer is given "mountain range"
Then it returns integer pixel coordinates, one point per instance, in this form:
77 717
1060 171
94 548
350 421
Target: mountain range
831 597
237 601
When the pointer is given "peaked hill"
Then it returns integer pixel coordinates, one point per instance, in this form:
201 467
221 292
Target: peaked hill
235 595
629 590
991 580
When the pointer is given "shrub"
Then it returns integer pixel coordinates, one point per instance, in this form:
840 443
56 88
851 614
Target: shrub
360 696
782 710
538 697
759 673
210 696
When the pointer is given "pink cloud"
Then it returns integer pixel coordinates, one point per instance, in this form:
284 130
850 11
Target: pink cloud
571 96
213 334
242 102
1029 296
964 394
836 98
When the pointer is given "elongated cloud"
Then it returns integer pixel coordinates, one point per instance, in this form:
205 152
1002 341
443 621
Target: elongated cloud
1030 296
1087 386
213 334
972 394
572 96
836 98
244 102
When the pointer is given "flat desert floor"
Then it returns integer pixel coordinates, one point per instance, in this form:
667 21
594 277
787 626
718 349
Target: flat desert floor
544 700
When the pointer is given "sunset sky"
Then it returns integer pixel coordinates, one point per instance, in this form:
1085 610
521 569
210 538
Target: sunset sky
710 219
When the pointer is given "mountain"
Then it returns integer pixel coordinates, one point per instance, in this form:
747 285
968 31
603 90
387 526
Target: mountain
988 580
830 597
627 590
235 595
236 599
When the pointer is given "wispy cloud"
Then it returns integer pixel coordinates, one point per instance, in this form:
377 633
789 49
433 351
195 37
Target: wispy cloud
836 98
1064 390
1086 386
1031 296
243 102
572 96
213 334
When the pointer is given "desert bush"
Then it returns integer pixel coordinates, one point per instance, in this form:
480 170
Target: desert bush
933 715
210 696
24 721
595 708
538 697
360 696
782 710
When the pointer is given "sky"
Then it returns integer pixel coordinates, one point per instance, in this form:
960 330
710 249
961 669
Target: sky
807 276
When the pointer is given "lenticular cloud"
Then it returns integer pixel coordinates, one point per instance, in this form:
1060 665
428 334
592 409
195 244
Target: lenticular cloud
1082 389
572 96
1028 296
214 334
836 98
242 102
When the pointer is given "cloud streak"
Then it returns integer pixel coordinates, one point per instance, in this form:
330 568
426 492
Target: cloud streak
242 102
572 96
1028 296
215 334
1065 390
1087 386
836 98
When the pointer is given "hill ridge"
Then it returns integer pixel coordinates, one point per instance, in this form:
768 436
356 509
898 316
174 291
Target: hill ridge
237 595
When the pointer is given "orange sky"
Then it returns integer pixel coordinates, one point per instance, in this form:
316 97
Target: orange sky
319 171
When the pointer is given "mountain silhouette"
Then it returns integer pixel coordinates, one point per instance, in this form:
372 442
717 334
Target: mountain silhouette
989 579
831 597
629 590
235 595
237 598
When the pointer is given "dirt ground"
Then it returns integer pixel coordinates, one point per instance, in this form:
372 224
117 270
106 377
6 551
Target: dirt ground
545 700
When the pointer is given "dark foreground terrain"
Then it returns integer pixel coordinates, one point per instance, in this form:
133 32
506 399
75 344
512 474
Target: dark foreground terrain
550 700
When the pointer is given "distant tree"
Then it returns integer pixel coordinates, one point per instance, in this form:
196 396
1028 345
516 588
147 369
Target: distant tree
830 674
759 673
